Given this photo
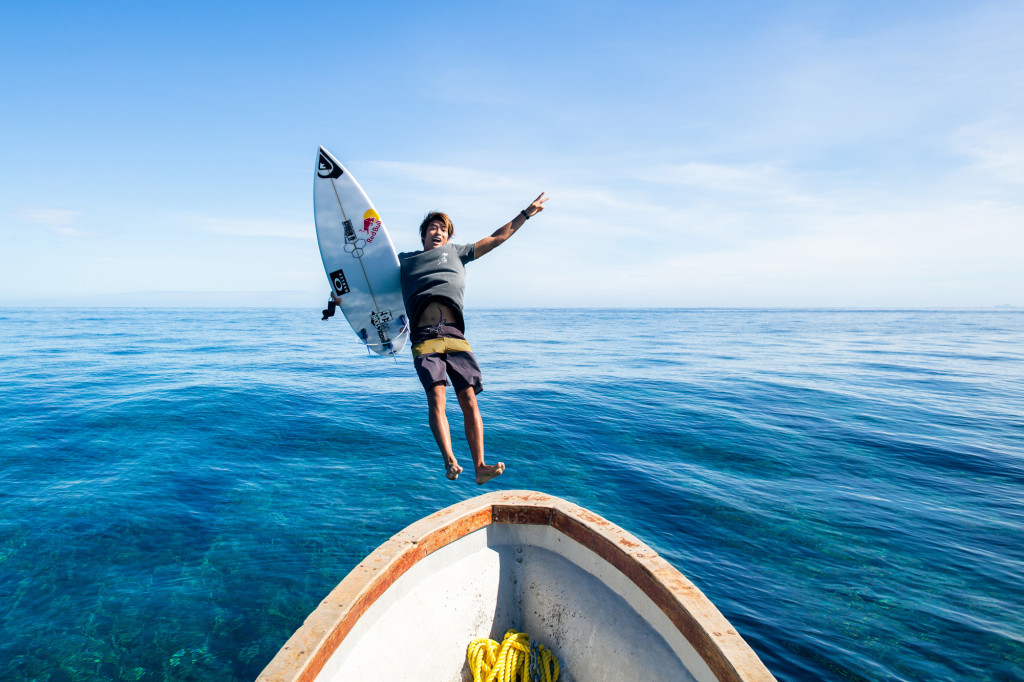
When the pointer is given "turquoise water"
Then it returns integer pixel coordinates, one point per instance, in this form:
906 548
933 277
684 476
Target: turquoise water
180 488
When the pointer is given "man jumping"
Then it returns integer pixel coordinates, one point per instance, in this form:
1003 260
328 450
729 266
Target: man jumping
433 283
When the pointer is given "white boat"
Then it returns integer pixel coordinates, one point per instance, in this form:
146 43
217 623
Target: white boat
607 606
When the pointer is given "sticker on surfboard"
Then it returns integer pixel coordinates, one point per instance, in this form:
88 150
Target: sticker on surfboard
326 167
371 225
338 282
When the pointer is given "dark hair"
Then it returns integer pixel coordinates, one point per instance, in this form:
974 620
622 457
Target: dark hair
436 215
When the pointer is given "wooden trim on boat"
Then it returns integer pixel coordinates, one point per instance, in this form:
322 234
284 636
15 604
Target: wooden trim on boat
304 655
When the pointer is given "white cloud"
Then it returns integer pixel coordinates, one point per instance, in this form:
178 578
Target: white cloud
57 220
51 216
755 180
953 253
996 147
242 227
452 178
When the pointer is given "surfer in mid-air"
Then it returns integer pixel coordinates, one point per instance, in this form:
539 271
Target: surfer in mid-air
433 283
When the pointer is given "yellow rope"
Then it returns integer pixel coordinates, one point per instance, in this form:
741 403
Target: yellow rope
509 661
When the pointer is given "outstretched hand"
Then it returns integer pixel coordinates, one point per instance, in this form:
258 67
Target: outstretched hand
501 235
537 206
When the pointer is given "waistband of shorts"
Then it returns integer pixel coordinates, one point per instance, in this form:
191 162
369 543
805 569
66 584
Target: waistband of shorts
440 331
442 345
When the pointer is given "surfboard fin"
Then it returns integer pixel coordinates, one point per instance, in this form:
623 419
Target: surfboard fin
366 342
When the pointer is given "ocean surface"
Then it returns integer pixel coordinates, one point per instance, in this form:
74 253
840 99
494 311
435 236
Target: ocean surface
180 488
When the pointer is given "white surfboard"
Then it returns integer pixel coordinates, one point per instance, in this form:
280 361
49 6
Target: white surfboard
359 258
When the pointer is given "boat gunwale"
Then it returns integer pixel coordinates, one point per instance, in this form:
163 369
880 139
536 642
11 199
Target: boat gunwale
714 639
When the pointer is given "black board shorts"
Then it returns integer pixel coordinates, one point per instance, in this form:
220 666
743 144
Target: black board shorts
442 351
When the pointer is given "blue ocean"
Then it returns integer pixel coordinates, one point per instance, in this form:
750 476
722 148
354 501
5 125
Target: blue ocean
181 487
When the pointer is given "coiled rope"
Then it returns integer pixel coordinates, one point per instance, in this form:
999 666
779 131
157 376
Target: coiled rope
516 659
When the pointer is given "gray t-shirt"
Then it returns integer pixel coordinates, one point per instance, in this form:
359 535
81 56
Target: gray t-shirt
438 273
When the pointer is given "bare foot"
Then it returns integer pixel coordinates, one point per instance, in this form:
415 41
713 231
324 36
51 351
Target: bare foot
452 470
487 472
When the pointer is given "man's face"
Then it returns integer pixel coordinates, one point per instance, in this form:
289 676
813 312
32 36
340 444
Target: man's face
436 235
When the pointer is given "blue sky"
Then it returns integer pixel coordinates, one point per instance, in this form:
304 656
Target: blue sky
697 154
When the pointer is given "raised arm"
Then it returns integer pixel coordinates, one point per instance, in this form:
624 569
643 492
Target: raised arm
488 244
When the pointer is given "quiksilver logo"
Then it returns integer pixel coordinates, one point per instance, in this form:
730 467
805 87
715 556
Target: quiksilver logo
443 259
327 168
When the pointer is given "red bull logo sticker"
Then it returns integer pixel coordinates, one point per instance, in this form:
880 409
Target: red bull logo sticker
371 224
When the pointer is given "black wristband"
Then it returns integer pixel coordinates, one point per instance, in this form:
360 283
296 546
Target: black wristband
526 216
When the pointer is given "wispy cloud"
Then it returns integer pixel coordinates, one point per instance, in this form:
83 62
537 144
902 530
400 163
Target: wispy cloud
996 147
57 220
452 177
51 216
753 180
956 252
242 227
